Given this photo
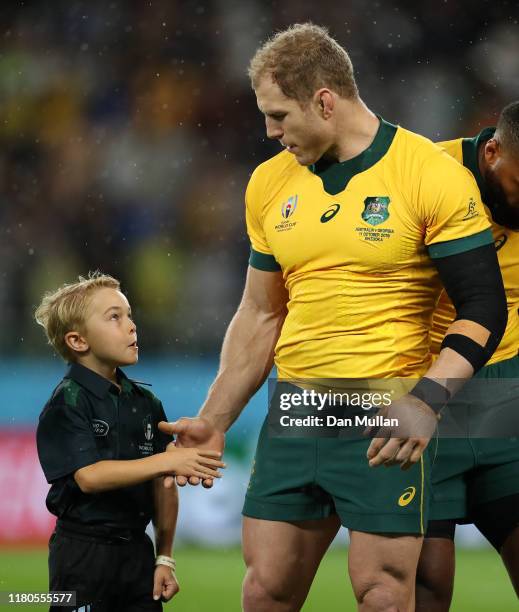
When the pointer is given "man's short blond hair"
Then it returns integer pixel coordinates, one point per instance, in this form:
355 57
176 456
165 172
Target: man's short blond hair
64 310
301 60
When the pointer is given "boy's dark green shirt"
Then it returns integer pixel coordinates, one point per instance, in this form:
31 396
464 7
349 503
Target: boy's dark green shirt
87 420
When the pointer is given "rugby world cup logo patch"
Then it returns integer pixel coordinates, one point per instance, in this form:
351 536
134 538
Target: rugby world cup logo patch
288 208
148 428
376 209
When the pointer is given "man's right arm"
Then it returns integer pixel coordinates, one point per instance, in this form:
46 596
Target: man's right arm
248 348
246 360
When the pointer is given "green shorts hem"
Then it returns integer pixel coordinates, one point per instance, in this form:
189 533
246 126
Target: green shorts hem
488 491
445 511
498 488
272 511
369 523
382 523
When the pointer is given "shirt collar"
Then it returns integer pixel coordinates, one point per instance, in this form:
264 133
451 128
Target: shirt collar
336 175
470 148
95 383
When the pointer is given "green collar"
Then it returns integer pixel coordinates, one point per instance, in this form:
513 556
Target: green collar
470 148
335 176
98 385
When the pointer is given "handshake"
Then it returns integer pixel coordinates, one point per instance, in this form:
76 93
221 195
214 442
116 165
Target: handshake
196 453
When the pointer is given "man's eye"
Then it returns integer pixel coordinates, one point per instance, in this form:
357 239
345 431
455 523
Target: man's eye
114 316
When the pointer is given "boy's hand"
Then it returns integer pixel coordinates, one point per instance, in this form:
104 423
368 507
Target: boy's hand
192 462
165 584
191 432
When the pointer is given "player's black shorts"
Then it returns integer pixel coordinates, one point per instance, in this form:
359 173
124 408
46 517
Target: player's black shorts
110 573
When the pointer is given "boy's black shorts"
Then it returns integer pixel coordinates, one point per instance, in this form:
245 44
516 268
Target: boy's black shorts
109 572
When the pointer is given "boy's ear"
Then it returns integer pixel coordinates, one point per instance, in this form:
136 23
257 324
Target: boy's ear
76 342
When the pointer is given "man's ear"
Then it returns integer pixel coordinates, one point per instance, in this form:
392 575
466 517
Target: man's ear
76 342
325 102
492 151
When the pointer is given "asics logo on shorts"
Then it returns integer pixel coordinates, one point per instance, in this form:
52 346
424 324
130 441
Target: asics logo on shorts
407 496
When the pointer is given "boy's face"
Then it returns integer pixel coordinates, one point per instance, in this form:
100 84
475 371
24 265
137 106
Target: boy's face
109 330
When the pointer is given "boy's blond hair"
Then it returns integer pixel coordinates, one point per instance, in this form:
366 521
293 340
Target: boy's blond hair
64 310
302 59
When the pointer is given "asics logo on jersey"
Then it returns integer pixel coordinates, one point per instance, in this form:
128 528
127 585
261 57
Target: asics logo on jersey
407 496
330 213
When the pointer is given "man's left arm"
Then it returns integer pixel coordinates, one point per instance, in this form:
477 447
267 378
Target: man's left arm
165 583
474 284
461 246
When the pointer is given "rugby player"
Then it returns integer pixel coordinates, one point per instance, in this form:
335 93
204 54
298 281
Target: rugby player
354 228
477 480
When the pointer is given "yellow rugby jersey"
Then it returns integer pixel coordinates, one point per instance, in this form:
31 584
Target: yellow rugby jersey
354 241
465 151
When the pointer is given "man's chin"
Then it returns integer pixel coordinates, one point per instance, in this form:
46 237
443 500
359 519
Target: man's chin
304 160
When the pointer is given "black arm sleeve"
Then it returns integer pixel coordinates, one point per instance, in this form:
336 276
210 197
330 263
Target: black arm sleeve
474 284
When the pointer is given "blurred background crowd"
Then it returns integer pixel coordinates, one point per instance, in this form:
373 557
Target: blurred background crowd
128 132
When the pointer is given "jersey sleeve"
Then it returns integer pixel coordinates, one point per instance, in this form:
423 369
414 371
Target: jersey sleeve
261 256
450 204
65 441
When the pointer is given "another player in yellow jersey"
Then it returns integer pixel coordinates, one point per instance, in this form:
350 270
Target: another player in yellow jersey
352 227
477 480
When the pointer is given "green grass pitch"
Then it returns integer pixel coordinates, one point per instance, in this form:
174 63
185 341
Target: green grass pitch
210 581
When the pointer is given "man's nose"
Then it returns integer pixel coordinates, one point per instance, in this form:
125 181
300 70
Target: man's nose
274 130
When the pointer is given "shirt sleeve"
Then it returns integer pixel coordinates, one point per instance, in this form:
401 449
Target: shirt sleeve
65 441
261 256
450 206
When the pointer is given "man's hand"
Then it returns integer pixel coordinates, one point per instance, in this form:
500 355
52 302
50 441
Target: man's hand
197 432
402 444
165 584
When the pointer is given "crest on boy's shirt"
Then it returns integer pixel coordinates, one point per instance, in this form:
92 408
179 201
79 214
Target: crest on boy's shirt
376 209
148 428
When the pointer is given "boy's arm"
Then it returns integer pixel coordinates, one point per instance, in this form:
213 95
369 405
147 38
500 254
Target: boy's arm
114 474
165 517
165 584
